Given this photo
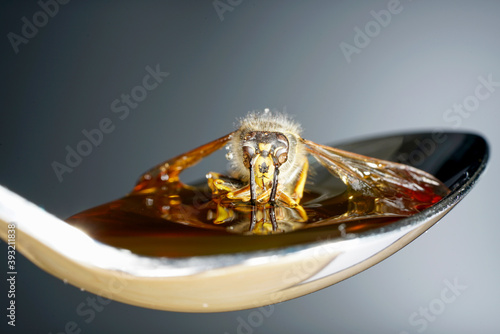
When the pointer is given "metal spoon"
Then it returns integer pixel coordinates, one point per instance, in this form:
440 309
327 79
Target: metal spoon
244 280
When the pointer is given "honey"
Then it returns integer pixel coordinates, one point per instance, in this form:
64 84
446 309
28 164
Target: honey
174 220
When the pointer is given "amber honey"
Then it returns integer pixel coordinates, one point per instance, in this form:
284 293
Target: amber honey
173 220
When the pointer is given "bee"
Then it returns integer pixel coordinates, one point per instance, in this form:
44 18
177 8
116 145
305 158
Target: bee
269 157
269 167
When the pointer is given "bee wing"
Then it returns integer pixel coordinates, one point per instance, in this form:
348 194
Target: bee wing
383 179
169 170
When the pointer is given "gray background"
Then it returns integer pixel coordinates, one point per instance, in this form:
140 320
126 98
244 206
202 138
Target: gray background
283 55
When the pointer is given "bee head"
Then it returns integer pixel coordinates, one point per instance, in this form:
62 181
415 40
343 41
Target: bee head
263 153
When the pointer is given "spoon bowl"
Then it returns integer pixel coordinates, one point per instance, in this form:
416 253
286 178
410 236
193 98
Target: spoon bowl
237 277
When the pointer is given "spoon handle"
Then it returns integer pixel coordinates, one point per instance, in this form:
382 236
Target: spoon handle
30 221
50 242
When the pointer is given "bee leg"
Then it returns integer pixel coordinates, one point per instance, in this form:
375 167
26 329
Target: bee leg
253 201
218 183
253 218
272 215
290 202
301 182
272 199
252 184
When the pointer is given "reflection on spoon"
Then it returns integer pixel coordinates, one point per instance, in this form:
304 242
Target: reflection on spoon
140 259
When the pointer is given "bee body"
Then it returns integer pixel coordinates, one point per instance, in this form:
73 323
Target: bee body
269 162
